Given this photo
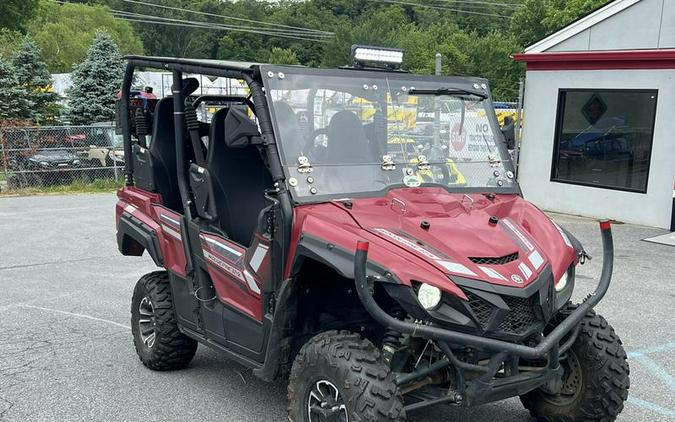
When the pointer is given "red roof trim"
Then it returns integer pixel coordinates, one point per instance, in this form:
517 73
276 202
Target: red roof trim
599 60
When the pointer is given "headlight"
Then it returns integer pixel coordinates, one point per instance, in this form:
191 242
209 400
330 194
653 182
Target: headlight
562 283
564 288
429 296
44 164
76 162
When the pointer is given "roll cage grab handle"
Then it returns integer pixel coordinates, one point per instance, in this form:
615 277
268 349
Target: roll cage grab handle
548 344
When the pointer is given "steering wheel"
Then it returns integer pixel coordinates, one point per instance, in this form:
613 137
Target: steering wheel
311 145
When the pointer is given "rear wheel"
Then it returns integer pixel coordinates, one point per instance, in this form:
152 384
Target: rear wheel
595 379
340 377
159 344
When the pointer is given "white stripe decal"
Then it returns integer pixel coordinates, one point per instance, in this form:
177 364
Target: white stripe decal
492 273
258 256
251 282
527 272
518 233
454 267
171 232
562 233
169 219
222 245
536 260
412 245
223 265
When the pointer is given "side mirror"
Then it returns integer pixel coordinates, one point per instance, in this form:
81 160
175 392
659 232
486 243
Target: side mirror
240 130
202 187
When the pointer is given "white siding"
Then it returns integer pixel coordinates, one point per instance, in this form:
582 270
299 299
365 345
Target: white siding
647 24
541 96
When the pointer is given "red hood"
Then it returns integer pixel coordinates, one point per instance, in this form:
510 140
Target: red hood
459 228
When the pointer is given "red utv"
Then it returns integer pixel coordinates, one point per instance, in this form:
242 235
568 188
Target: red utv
318 229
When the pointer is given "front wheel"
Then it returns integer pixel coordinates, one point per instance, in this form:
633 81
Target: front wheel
595 379
159 343
340 377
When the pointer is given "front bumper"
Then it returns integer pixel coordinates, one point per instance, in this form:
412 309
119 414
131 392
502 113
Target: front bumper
549 345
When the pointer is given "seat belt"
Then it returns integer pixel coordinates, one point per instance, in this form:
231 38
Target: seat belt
192 125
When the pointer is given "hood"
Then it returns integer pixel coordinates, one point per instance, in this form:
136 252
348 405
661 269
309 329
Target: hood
501 239
53 156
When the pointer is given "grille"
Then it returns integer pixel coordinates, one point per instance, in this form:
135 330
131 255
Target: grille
481 309
519 319
501 260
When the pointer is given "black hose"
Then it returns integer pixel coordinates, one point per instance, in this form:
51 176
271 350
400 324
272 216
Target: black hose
445 335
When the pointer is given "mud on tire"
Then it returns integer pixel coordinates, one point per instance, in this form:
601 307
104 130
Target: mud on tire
169 348
602 381
355 367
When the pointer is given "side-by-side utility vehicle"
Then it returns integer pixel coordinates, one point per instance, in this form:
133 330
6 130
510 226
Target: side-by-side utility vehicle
360 232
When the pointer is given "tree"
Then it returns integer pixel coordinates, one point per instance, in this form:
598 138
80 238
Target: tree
14 14
33 76
13 101
96 82
282 56
64 32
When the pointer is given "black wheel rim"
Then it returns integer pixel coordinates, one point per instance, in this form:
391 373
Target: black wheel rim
325 403
572 382
146 322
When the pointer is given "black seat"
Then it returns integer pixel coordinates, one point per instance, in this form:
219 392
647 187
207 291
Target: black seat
347 142
240 178
163 152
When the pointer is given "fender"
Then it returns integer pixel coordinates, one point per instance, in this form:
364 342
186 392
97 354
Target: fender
134 236
335 257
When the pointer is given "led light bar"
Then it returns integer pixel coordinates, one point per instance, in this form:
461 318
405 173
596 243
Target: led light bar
374 56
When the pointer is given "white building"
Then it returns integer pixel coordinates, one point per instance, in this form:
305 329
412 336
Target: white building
599 131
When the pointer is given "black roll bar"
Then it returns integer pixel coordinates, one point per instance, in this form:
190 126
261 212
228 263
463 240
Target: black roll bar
126 127
549 344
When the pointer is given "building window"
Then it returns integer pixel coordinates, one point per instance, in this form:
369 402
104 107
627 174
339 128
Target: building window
604 138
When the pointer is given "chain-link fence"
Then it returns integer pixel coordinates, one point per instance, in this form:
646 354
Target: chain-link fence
59 157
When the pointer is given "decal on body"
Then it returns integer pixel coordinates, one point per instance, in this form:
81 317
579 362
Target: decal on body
448 265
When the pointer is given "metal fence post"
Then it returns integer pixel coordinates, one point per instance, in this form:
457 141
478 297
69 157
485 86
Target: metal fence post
519 126
4 156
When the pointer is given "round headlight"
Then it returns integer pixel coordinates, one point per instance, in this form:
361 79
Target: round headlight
76 162
562 283
429 296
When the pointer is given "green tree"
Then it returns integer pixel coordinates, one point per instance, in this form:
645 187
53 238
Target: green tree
64 32
14 14
13 101
96 82
282 56
33 76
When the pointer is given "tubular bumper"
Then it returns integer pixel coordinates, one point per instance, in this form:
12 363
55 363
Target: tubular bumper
549 344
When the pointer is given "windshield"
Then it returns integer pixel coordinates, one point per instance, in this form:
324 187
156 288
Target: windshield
343 135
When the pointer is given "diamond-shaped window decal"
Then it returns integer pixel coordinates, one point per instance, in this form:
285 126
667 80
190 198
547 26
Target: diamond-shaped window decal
594 109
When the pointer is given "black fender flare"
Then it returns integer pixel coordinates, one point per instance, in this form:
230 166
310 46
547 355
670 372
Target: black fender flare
134 236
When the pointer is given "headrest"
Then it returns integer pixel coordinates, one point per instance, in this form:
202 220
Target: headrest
189 85
240 130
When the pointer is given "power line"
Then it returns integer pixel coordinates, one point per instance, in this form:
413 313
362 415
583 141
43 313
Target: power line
212 25
479 3
447 9
299 28
196 25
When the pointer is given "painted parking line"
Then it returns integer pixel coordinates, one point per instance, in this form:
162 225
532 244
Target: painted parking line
651 406
657 370
652 349
641 356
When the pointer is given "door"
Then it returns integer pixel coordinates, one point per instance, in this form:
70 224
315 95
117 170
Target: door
238 274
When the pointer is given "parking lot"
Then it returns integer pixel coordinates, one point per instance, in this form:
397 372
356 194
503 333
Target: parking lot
66 352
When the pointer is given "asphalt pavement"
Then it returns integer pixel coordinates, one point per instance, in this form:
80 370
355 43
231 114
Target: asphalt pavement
66 352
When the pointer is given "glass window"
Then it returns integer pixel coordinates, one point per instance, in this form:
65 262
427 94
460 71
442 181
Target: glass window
604 138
